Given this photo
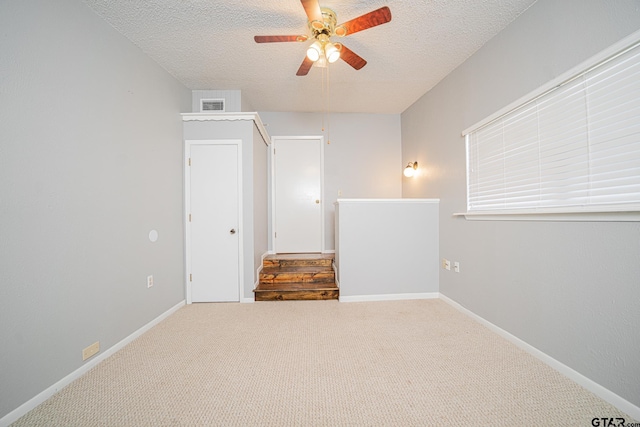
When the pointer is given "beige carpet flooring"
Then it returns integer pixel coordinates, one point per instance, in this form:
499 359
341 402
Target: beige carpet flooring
321 363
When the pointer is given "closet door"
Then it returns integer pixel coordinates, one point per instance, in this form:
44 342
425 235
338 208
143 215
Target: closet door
213 219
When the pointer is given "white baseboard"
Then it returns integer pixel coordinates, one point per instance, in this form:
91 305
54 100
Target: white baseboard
259 269
257 281
252 298
46 394
595 388
388 297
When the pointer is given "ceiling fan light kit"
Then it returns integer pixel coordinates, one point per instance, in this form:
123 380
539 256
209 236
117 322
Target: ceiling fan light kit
323 47
322 26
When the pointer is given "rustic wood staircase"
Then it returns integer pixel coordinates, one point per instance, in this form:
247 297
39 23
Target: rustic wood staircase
297 277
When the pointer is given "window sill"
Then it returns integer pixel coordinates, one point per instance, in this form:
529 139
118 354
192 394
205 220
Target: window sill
619 216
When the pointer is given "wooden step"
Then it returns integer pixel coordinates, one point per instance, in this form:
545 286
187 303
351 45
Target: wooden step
295 291
298 260
297 277
313 274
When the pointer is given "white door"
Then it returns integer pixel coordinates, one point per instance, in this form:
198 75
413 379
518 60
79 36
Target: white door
213 233
298 195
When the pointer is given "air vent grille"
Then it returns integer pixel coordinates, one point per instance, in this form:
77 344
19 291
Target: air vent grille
212 105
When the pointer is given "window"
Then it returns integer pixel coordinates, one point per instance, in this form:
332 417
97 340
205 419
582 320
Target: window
574 147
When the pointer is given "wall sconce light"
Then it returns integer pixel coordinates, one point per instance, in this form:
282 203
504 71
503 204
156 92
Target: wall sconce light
411 169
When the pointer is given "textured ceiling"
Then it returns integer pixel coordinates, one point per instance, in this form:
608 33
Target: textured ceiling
208 44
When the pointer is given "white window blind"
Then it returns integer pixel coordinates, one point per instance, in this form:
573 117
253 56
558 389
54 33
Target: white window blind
574 148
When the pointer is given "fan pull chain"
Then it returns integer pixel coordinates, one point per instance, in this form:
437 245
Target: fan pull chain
328 107
322 95
325 101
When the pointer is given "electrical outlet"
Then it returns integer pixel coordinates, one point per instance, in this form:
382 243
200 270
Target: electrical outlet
456 266
91 350
149 281
446 264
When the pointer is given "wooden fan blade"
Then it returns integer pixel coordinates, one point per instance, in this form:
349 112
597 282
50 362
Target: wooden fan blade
304 67
275 39
351 58
368 20
312 9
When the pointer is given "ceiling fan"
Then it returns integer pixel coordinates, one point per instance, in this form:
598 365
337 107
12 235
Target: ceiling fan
322 26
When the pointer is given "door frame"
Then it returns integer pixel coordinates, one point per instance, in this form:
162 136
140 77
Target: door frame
274 140
187 206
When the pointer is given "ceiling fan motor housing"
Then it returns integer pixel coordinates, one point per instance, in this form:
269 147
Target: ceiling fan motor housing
328 25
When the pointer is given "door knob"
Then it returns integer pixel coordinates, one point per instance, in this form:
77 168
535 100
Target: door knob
317 201
232 231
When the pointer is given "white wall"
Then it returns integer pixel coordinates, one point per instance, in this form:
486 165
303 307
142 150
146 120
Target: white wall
569 289
387 248
362 159
90 162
